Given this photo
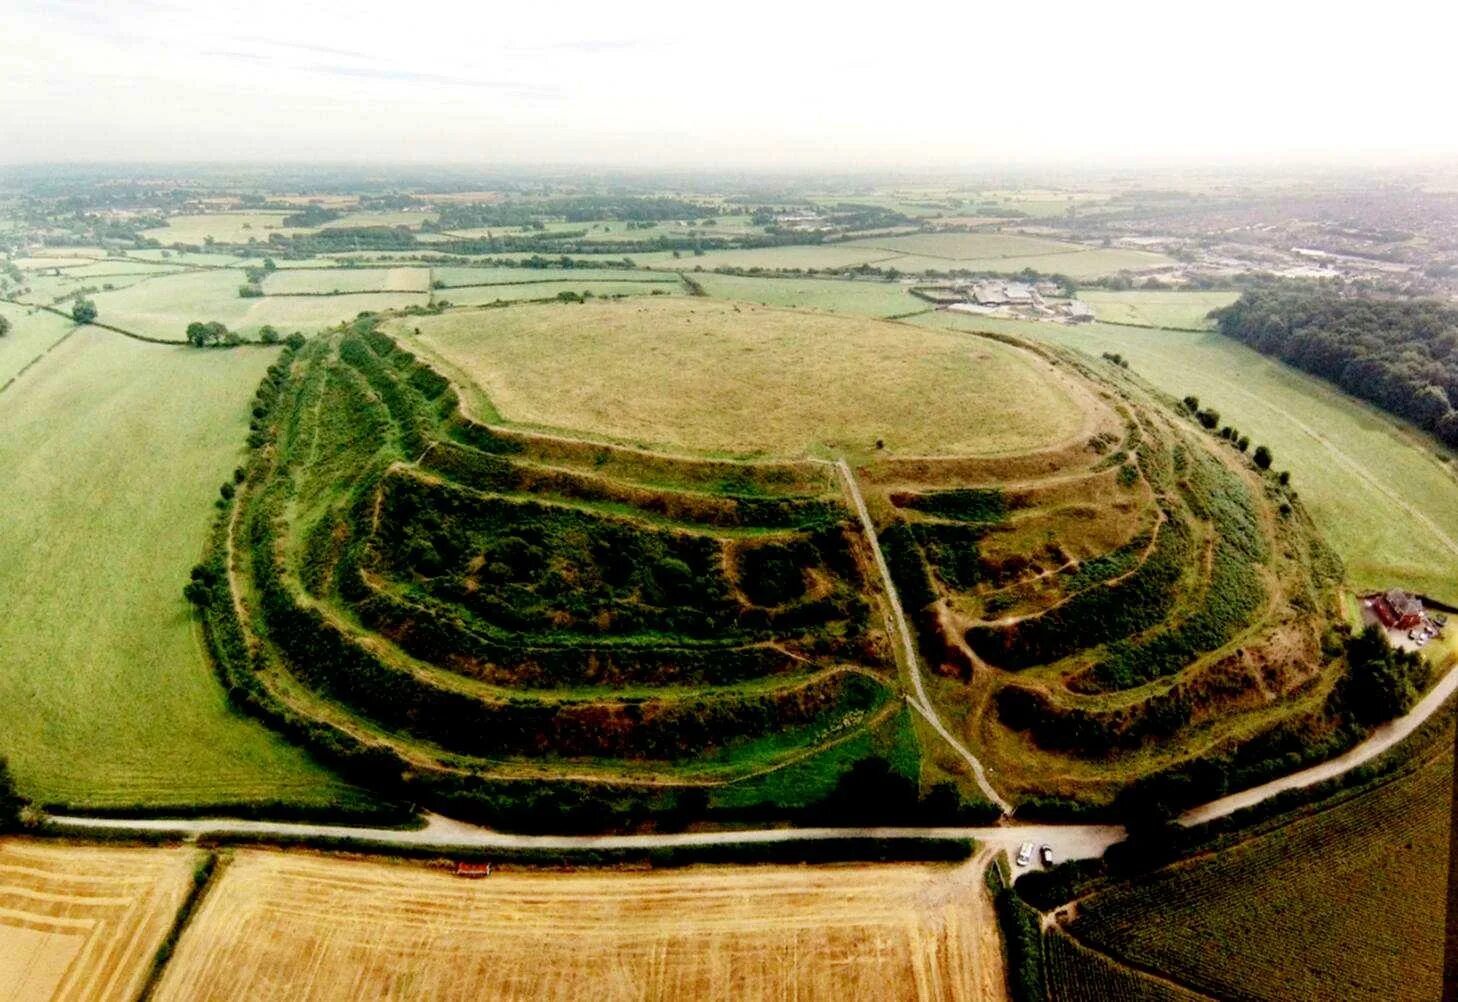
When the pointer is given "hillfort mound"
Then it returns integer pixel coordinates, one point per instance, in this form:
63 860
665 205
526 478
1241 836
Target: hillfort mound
587 565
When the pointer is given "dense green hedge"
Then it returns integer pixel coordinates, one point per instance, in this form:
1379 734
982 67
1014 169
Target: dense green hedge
1098 615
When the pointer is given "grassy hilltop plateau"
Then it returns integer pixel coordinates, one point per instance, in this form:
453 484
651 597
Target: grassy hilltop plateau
593 509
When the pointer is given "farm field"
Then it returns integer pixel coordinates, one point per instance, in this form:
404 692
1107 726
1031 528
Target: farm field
713 376
31 334
581 284
1156 308
411 220
454 276
224 227
1379 491
302 926
1006 252
110 453
163 307
1358 892
862 298
285 282
84 922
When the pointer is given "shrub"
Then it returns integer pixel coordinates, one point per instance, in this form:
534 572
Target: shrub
1262 457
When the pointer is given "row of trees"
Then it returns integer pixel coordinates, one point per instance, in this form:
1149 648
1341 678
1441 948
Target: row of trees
1401 355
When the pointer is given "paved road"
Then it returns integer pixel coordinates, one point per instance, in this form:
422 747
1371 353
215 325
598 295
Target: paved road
919 701
1068 841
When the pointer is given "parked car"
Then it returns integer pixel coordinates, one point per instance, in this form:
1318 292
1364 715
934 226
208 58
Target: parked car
1045 853
1025 854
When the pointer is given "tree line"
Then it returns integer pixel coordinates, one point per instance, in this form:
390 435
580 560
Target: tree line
1401 355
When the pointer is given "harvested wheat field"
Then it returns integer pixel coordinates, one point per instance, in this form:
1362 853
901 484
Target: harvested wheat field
305 926
84 923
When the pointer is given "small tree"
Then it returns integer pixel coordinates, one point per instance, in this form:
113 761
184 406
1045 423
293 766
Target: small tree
1284 477
4 326
1209 417
84 311
1244 443
1192 403
1263 457
11 802
269 334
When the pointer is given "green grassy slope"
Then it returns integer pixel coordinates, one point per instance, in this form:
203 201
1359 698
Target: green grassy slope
110 454
1379 491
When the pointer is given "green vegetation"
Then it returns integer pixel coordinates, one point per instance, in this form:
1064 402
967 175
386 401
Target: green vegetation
1158 308
111 450
705 375
1077 974
1382 495
509 607
1358 887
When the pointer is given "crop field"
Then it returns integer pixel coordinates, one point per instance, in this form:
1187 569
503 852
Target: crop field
1355 895
1156 308
224 227
1007 253
82 922
163 307
110 454
31 334
1382 494
1076 973
860 298
299 926
714 376
286 281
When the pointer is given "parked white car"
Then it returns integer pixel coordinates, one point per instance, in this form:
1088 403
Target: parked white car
1025 854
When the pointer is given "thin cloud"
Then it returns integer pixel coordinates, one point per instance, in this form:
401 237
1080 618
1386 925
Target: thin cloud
411 76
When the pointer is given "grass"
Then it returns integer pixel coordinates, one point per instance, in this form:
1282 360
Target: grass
1358 891
289 925
31 334
580 284
285 281
163 307
1381 493
1156 308
862 298
812 779
110 453
717 377
224 227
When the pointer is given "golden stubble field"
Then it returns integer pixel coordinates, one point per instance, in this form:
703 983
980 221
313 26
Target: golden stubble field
84 922
304 926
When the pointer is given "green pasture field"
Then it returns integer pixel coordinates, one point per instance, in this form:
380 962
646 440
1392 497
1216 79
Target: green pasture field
454 275
805 256
721 377
224 227
163 307
1382 493
1157 308
1092 262
111 452
31 334
861 298
580 284
962 246
411 220
112 267
204 259
1342 904
286 282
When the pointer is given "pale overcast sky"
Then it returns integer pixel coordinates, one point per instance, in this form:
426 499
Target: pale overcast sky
771 85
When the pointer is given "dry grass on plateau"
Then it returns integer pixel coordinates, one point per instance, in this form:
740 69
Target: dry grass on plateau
84 923
302 926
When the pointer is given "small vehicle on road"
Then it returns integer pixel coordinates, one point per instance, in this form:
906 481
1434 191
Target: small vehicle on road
1025 854
1045 853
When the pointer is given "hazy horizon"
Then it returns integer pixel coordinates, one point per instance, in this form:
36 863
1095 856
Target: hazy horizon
761 87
